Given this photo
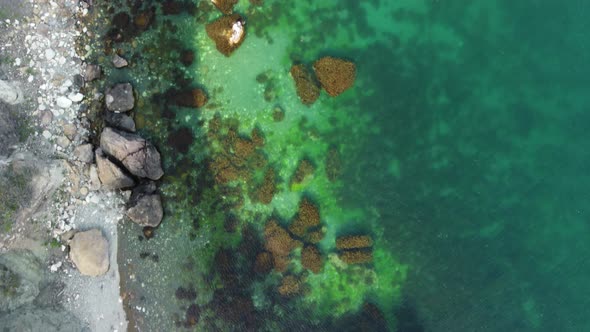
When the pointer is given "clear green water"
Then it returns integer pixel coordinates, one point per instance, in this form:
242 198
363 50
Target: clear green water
462 155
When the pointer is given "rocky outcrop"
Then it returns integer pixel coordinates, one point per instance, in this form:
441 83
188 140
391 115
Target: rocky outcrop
137 155
145 206
335 75
20 278
228 33
89 251
307 88
110 175
119 98
120 121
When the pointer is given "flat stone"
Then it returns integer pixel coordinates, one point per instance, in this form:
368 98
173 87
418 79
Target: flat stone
89 251
76 97
49 54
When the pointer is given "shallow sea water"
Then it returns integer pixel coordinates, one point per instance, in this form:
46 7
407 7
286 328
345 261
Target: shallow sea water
460 151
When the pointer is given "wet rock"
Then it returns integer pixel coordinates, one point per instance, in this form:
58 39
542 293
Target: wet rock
335 75
20 277
119 62
92 72
225 6
89 251
138 155
307 88
145 206
84 153
120 98
9 93
120 121
110 175
227 32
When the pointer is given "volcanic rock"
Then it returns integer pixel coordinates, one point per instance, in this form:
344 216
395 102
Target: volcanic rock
138 155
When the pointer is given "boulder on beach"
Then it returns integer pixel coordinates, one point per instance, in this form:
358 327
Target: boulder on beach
138 155
89 250
145 206
307 88
119 98
228 33
335 75
110 175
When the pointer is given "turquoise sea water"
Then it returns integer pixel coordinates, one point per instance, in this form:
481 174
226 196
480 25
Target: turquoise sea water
460 150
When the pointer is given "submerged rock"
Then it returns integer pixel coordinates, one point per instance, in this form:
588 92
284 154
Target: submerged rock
335 75
307 88
145 206
311 258
110 175
357 256
89 251
225 6
191 98
354 242
138 155
120 98
228 33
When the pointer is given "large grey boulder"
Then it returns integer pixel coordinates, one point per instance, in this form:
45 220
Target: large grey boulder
119 98
110 175
145 206
138 155
89 250
21 275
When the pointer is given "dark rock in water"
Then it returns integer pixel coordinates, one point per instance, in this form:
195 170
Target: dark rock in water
307 88
145 206
143 20
335 75
92 72
110 175
148 232
119 62
173 7
193 314
120 98
138 155
20 279
191 98
120 121
186 294
228 33
187 57
225 6
354 242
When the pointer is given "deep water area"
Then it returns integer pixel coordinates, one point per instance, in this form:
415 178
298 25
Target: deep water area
445 191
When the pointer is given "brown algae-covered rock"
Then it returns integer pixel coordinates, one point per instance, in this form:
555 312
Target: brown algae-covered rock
225 6
304 169
311 258
279 243
335 75
267 189
228 33
354 242
195 97
307 217
307 88
290 286
356 256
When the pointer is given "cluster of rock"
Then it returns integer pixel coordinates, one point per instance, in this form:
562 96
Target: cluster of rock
228 31
332 74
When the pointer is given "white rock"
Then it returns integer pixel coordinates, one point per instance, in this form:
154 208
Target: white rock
46 134
49 54
63 102
76 97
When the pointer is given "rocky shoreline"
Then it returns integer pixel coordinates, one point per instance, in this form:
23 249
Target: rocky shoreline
58 249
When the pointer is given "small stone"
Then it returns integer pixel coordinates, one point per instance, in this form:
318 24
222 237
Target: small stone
70 131
46 134
49 54
119 62
63 142
84 153
89 251
46 118
63 102
83 191
76 97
